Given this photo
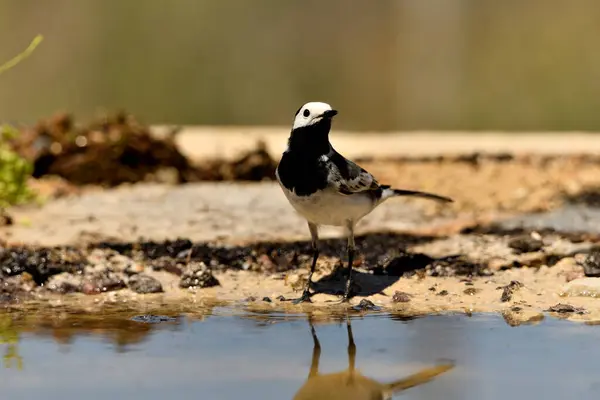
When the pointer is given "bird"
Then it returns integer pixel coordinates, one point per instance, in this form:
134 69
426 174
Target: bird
327 189
350 384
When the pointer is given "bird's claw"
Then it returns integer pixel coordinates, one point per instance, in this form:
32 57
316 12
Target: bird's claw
344 300
305 298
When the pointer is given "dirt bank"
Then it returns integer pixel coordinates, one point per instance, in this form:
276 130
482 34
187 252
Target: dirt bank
107 246
521 276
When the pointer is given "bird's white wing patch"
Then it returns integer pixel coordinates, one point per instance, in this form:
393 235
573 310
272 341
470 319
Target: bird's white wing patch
352 179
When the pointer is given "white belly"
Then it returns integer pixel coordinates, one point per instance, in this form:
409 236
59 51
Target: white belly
330 208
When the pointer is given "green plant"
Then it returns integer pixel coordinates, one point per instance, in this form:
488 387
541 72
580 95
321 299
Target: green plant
14 172
14 169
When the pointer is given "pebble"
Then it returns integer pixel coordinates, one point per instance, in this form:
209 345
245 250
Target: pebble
509 290
582 287
566 309
401 297
120 262
591 264
197 275
134 269
525 244
142 284
63 283
102 282
516 316
366 305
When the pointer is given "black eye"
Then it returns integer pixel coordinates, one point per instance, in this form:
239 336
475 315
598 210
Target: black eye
306 113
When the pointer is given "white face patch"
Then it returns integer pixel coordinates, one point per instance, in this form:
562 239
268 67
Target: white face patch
310 114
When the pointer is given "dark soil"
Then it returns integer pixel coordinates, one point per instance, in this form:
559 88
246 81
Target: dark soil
496 229
589 197
477 158
109 266
80 270
40 263
119 149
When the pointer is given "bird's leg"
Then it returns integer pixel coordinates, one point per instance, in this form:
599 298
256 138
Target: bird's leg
314 365
314 234
351 247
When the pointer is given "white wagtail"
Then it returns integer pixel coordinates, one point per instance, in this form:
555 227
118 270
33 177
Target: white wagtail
350 384
324 187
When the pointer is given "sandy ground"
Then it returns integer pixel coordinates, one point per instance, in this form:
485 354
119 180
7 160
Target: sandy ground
224 212
234 213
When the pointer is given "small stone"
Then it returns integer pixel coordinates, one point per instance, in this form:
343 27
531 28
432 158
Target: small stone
509 290
101 282
281 298
525 244
64 283
142 283
134 269
566 309
591 264
267 300
443 293
265 263
366 305
250 299
583 287
11 290
184 254
401 297
471 291
517 317
197 275
119 262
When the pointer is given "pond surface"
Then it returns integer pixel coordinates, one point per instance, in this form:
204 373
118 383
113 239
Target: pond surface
228 355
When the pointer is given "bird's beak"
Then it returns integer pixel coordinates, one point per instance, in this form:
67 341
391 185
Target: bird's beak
329 114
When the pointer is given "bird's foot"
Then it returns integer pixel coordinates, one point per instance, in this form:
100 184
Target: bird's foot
344 301
305 298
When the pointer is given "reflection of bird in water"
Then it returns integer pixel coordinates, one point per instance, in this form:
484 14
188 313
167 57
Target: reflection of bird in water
350 384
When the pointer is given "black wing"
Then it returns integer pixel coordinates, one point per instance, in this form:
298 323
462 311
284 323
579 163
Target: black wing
349 178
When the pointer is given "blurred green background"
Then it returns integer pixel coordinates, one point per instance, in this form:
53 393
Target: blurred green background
385 64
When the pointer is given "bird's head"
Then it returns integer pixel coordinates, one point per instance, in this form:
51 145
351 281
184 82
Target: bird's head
312 114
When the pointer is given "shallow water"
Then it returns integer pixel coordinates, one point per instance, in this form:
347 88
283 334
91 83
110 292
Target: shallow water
226 355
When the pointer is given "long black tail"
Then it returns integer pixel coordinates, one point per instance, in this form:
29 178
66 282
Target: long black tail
431 196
